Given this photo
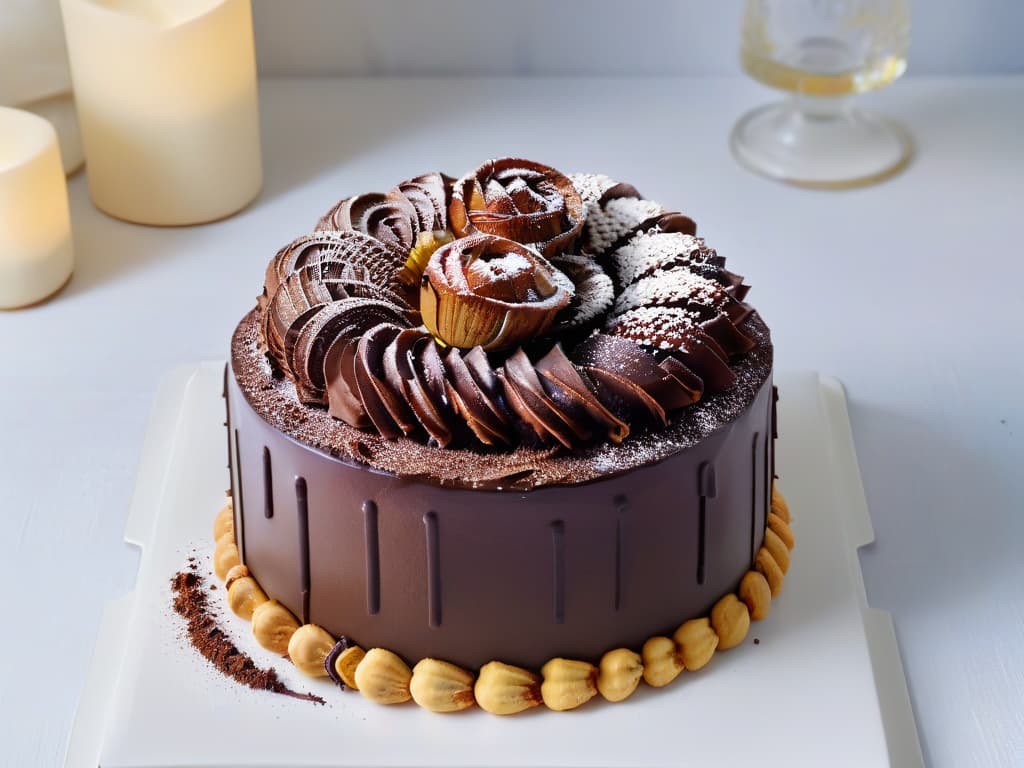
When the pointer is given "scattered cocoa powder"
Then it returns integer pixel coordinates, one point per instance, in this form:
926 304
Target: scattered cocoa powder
215 646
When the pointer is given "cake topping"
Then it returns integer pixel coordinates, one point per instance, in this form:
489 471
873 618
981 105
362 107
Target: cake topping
611 210
398 217
490 292
556 311
519 200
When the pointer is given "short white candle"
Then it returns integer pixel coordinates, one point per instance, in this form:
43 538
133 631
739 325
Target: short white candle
35 227
166 98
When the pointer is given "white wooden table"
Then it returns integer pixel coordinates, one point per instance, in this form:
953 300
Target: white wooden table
907 291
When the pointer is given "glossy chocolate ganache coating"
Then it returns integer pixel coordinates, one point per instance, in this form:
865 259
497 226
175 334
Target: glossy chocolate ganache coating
451 443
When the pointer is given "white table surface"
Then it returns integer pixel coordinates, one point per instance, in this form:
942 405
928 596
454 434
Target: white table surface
907 291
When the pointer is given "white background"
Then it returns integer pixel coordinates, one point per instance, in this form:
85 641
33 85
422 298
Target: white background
585 37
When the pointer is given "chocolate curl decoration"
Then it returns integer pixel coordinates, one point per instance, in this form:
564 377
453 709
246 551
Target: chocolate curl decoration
674 332
573 397
629 381
479 397
390 220
310 337
519 200
430 196
490 292
419 204
330 250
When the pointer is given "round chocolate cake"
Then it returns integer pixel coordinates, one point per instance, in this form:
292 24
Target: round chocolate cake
513 416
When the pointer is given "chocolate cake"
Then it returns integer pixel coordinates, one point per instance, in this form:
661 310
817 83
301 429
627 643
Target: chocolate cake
502 422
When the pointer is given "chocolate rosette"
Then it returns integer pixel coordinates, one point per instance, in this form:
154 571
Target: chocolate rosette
490 292
519 200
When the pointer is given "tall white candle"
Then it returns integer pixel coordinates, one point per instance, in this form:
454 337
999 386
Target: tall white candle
35 228
166 97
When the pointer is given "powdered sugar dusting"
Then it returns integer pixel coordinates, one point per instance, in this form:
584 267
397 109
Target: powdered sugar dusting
619 217
648 252
674 287
509 265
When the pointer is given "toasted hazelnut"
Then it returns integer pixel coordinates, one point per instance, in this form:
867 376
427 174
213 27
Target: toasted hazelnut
502 689
567 683
765 563
244 594
236 572
778 550
697 642
273 626
225 557
782 529
619 674
383 677
662 661
441 687
346 663
755 592
730 618
779 505
225 521
308 648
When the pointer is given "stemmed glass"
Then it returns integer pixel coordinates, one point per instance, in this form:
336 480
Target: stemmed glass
823 52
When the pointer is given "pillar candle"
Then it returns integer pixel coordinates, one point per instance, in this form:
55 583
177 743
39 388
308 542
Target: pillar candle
35 227
166 99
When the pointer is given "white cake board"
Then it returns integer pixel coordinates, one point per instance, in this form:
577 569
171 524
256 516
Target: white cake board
824 686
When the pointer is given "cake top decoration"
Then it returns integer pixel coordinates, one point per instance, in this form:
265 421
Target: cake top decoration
514 306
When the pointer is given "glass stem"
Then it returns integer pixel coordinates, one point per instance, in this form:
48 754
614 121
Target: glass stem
819 108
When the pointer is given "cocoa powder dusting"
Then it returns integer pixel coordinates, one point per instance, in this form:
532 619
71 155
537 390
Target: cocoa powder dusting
215 646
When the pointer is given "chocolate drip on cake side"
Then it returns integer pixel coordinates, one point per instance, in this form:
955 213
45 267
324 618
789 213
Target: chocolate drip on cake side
433 539
302 509
756 493
707 487
268 484
237 495
371 536
558 570
621 546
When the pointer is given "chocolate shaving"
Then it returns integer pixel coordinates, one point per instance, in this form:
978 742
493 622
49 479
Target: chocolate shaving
210 640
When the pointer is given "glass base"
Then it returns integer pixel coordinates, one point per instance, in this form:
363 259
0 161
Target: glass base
835 148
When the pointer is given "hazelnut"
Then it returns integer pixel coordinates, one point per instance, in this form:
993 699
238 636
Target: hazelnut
244 594
308 648
755 592
383 677
697 642
225 557
779 505
567 683
777 548
765 564
273 626
782 529
662 661
225 521
730 618
619 674
441 687
502 689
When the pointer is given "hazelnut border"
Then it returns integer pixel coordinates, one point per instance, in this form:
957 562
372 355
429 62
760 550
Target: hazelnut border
499 688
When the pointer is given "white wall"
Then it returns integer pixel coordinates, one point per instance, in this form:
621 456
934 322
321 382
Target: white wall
569 37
